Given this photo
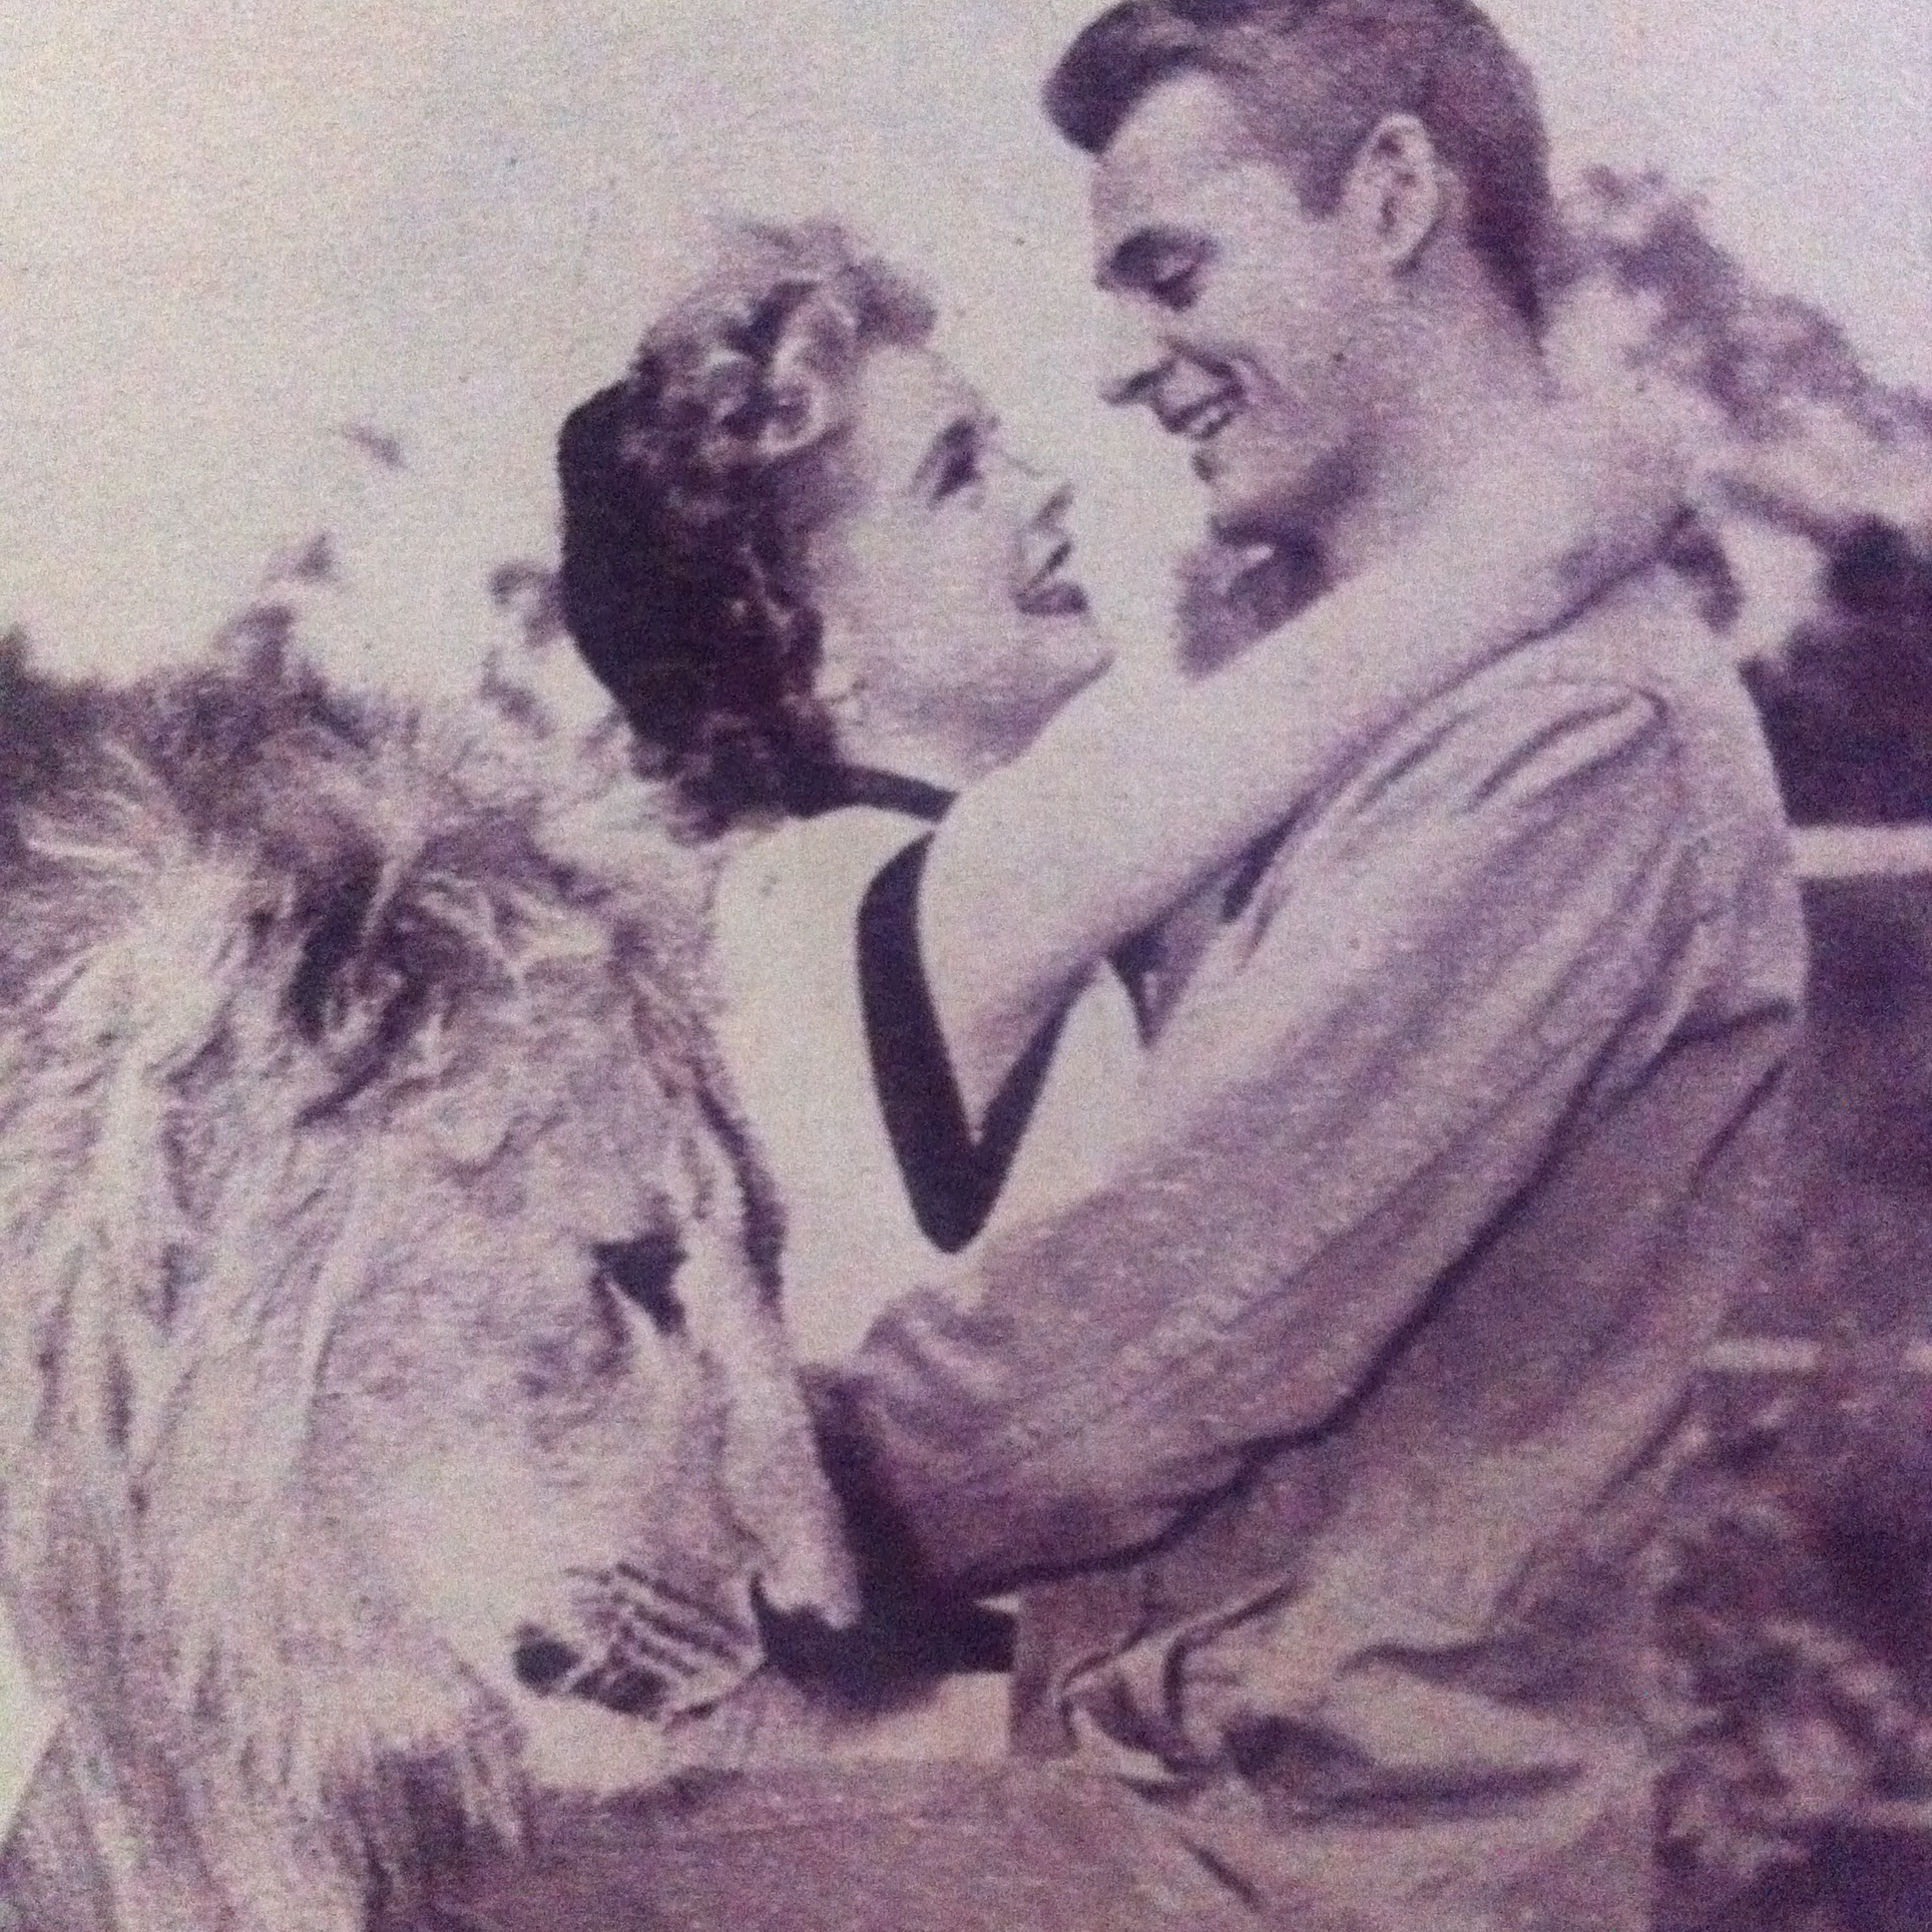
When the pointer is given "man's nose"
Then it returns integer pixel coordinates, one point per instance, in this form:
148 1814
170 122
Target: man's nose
1134 385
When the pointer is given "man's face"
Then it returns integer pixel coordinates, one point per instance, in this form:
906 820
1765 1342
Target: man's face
1247 319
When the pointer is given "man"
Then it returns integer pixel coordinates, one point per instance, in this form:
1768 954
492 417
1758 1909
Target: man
1325 1436
1330 1431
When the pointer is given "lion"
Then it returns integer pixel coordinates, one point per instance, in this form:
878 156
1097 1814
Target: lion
397 1415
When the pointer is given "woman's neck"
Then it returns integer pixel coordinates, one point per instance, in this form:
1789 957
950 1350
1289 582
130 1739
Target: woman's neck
949 757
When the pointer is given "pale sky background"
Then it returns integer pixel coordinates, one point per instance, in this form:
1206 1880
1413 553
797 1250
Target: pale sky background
228 229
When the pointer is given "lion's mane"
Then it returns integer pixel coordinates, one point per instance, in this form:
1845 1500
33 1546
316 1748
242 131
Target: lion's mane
234 907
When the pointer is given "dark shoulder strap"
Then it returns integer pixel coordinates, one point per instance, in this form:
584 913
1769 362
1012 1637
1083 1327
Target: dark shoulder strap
952 1176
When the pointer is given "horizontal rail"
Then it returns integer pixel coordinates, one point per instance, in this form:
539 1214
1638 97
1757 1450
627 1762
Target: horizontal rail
1863 851
1792 1355
1890 1814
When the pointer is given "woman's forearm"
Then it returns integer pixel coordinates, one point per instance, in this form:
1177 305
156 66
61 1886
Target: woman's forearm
1136 792
1139 791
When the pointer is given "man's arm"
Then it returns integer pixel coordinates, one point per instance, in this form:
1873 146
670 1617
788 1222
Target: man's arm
1327 1134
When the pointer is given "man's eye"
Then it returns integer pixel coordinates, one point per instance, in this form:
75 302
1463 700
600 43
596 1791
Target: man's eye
1176 287
641 1271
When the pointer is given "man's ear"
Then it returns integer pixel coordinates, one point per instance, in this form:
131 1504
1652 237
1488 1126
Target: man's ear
806 389
1399 189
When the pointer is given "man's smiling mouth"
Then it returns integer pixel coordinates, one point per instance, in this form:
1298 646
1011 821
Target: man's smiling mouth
1205 420
1202 422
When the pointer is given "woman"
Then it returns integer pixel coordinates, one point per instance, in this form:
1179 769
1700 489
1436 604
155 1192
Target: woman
821 627
829 600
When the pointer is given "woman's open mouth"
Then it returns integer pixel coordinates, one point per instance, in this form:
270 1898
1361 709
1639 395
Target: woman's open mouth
1050 592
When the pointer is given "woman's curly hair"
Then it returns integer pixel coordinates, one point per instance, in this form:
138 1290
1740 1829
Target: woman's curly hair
683 580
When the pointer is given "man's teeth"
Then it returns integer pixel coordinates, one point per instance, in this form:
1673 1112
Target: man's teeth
1209 421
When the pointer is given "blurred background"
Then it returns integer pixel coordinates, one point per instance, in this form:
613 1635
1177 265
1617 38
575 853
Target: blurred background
274 269
257 253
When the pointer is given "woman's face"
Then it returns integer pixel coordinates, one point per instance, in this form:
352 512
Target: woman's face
941 574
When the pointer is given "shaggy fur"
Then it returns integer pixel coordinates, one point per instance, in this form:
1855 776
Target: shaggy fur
392 1393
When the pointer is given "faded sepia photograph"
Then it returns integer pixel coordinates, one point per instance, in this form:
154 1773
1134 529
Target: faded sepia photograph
966 966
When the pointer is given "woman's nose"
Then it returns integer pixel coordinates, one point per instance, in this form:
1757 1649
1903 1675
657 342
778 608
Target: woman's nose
1050 512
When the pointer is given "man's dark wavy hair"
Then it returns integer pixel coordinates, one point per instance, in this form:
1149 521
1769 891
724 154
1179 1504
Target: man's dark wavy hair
1315 75
683 572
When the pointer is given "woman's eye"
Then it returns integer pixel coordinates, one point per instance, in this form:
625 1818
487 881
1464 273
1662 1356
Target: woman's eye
641 1271
959 471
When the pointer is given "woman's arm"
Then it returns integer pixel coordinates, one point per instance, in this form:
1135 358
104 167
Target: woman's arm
1141 788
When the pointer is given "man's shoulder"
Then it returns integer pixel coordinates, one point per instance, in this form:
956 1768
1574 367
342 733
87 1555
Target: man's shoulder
1649 630
1632 708
1651 636
1641 659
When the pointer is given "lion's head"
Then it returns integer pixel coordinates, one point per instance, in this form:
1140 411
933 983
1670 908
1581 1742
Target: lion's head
394 1401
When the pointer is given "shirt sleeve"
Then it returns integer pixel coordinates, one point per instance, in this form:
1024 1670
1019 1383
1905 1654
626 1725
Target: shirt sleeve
1328 1128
